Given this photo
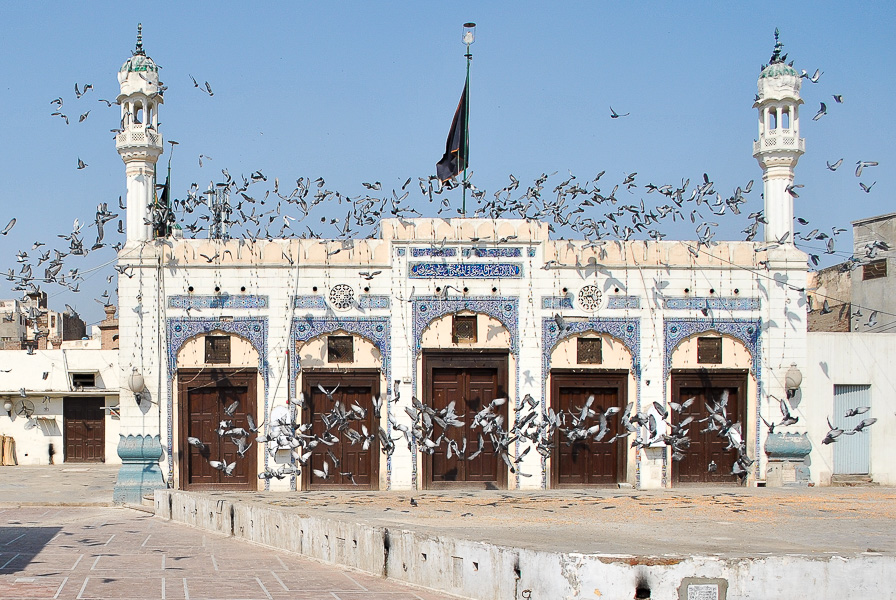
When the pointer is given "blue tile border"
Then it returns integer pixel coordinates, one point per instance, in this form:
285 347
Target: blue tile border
310 302
433 252
555 302
712 303
630 302
218 301
374 301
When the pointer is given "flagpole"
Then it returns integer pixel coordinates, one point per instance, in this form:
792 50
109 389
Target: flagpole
469 32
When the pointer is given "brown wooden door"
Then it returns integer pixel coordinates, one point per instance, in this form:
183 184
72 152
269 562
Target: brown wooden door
588 462
709 446
471 382
203 398
357 468
85 429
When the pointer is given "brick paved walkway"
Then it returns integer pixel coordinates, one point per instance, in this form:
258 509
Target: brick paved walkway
93 553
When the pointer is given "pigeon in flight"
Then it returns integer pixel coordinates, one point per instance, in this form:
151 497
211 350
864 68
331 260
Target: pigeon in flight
615 115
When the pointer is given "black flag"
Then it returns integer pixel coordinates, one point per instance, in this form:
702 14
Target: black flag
455 159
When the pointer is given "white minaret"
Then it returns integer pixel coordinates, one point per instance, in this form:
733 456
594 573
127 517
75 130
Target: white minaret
779 146
140 141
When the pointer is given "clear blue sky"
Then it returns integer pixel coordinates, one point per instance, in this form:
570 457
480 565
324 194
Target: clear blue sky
362 91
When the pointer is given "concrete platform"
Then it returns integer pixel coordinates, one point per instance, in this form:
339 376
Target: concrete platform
741 542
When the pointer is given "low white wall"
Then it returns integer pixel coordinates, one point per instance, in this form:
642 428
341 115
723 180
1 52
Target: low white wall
484 571
850 359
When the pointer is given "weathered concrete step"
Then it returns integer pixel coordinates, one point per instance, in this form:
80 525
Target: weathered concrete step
487 571
853 481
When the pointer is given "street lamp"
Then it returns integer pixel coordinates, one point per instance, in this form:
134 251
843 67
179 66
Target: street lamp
7 406
469 34
136 384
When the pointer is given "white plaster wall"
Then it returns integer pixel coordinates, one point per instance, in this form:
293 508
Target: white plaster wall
849 359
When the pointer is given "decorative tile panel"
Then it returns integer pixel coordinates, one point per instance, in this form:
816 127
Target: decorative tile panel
632 302
494 252
374 301
531 253
428 309
466 270
310 301
218 301
434 252
556 302
401 251
711 302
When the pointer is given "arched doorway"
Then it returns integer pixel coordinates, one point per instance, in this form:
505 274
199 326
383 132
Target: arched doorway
465 359
340 376
710 378
217 389
584 365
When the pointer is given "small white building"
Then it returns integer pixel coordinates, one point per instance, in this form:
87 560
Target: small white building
845 372
61 405
459 310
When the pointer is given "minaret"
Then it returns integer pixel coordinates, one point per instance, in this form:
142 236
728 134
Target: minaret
140 142
779 146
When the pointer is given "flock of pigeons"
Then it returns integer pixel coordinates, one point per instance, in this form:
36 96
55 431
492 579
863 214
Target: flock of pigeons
429 430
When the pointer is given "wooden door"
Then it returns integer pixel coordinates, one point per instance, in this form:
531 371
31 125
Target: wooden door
203 398
85 429
588 462
354 467
471 382
708 447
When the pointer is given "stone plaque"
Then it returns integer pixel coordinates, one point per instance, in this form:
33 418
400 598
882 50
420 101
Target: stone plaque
703 588
703 591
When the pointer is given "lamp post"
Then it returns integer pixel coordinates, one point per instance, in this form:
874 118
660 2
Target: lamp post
468 38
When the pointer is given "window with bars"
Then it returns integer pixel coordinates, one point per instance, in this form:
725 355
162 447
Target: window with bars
340 349
709 350
463 329
875 269
217 349
589 351
83 380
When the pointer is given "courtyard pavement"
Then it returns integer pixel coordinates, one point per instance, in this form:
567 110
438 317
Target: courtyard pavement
87 553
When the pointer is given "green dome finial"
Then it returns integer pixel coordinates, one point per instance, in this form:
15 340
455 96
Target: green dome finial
777 57
139 50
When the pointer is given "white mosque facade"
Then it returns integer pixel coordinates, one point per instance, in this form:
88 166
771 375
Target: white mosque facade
464 310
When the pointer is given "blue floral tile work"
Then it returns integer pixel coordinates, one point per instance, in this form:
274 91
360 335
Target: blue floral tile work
218 301
433 252
711 303
310 302
631 302
374 301
556 302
